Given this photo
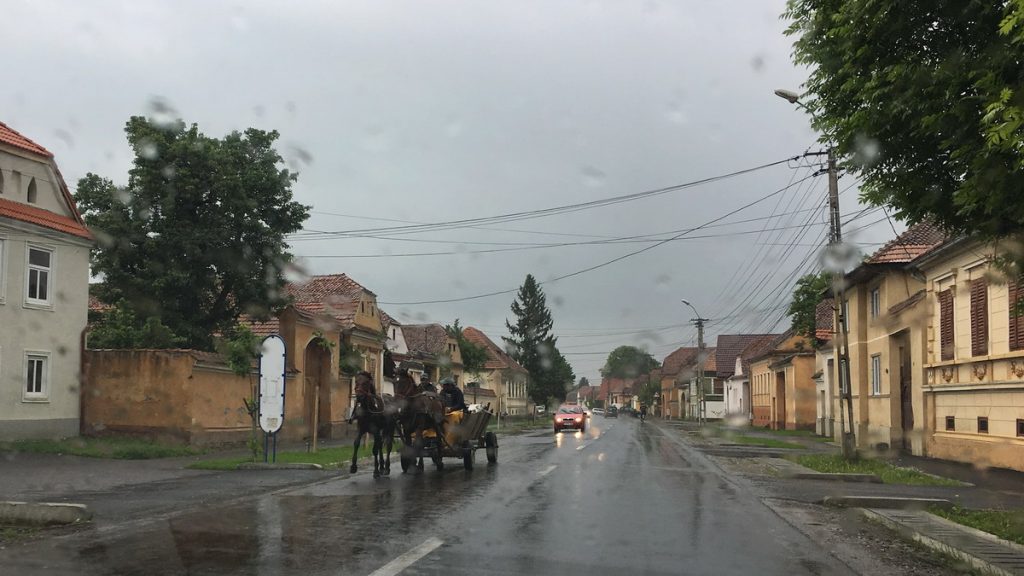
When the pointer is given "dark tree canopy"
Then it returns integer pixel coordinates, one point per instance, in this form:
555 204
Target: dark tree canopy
807 294
583 382
474 357
628 362
532 345
925 100
197 237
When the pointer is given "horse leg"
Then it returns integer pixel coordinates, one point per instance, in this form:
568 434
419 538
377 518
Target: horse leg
376 452
355 451
389 442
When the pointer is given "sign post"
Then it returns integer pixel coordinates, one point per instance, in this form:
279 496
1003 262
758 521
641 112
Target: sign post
272 383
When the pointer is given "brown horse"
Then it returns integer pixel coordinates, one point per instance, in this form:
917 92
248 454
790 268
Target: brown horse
419 411
376 415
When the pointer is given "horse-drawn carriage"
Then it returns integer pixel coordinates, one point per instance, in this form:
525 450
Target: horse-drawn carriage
462 434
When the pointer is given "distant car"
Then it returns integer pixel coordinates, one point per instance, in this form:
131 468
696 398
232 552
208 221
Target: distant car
597 411
611 412
569 417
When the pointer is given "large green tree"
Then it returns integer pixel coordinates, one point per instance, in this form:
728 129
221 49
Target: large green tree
925 100
807 294
474 357
628 362
197 236
533 346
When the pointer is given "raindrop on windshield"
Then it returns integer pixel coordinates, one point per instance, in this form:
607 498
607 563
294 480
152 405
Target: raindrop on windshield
162 114
148 150
593 177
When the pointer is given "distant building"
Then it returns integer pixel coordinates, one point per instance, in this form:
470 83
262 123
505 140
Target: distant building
503 381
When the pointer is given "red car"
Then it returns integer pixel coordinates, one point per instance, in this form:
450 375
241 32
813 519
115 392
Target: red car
570 417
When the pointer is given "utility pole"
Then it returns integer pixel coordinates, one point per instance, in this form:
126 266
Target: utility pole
700 369
849 442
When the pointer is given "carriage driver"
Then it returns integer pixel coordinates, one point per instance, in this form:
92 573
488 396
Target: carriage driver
451 395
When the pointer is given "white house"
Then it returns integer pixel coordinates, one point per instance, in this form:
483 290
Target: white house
44 293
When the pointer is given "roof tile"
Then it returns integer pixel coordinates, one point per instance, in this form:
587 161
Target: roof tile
41 217
914 242
11 136
497 359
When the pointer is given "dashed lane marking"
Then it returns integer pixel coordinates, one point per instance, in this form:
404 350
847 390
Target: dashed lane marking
547 470
582 446
408 559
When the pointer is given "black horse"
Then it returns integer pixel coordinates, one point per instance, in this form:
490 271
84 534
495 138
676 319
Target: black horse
420 411
376 415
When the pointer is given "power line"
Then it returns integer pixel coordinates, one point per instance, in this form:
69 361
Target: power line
523 215
601 265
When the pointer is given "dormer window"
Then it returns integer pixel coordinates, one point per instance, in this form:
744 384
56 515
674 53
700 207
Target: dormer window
32 192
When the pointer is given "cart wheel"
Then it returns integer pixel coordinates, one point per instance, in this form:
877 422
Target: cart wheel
491 445
468 456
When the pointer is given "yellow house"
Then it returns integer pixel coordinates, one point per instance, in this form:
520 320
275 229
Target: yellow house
505 378
782 391
886 335
974 362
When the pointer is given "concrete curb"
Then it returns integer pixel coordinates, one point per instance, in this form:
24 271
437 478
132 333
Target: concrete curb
836 477
916 536
43 513
891 502
273 466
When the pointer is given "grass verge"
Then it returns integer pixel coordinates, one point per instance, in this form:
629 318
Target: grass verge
337 457
765 442
836 464
113 447
1007 524
517 426
805 434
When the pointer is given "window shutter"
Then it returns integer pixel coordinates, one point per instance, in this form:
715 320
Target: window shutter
946 324
979 317
1016 320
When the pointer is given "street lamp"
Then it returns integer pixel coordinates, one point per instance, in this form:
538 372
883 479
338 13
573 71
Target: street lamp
699 322
835 240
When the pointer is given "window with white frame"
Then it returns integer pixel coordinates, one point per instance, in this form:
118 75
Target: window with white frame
876 303
38 276
876 374
37 376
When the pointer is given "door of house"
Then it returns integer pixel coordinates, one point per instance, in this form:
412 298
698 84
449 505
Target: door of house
906 403
780 394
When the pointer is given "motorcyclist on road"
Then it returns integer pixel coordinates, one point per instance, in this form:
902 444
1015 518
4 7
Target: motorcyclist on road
643 412
451 395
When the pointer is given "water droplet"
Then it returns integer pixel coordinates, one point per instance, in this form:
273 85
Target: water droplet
757 63
259 111
65 137
592 176
867 150
839 257
148 150
375 139
298 156
558 301
163 115
168 172
295 273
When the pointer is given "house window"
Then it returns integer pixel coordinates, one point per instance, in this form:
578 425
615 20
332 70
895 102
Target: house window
876 303
1016 315
876 374
1 182
37 376
32 193
979 317
982 425
1020 428
946 325
950 423
37 281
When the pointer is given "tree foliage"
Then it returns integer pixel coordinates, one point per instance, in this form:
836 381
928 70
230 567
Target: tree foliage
583 382
807 294
532 345
196 238
119 328
474 356
926 100
628 362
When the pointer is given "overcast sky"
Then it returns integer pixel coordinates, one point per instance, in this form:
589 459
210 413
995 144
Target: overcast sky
439 111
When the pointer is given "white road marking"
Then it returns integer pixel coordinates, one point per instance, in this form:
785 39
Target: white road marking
408 559
581 446
547 470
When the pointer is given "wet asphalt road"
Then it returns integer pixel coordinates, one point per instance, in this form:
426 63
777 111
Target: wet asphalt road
623 497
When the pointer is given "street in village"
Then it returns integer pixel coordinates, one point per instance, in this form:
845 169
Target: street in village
622 497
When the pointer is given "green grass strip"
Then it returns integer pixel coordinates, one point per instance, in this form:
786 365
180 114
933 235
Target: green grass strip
112 447
836 464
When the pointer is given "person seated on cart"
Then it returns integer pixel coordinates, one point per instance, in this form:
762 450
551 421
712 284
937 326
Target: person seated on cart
425 384
451 396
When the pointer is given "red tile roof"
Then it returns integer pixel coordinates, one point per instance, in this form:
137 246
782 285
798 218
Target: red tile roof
429 339
686 357
728 347
335 295
759 347
41 217
271 326
497 359
95 305
11 136
824 318
916 241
